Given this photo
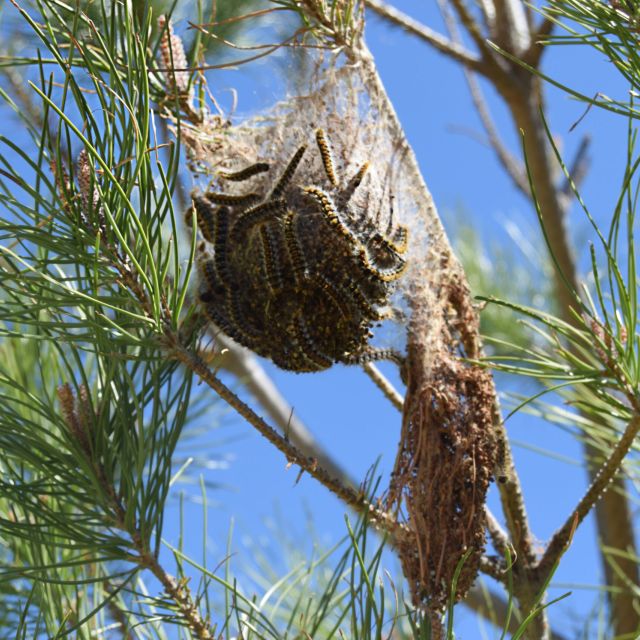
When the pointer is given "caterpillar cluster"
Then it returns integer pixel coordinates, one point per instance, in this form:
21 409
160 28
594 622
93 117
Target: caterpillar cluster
298 273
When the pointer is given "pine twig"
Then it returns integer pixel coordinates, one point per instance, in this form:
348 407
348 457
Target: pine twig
601 482
488 12
511 30
388 390
533 56
354 499
493 567
499 536
245 367
179 592
614 506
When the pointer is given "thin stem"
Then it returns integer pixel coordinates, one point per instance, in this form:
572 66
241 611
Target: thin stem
473 28
354 499
511 29
514 169
389 391
510 164
511 497
245 367
488 11
180 594
498 535
533 56
494 567
601 481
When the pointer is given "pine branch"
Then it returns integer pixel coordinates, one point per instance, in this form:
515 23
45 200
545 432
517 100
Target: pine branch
433 38
179 592
473 28
348 495
513 167
388 390
533 56
245 367
511 31
602 479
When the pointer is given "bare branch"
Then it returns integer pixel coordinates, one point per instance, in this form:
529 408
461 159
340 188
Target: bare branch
511 27
534 54
354 499
435 39
473 28
561 538
180 593
510 164
245 366
488 10
511 497
498 535
390 392
514 169
493 566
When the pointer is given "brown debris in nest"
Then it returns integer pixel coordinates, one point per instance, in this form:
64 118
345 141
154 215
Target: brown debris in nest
446 453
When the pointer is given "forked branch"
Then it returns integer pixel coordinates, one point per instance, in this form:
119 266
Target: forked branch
438 41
